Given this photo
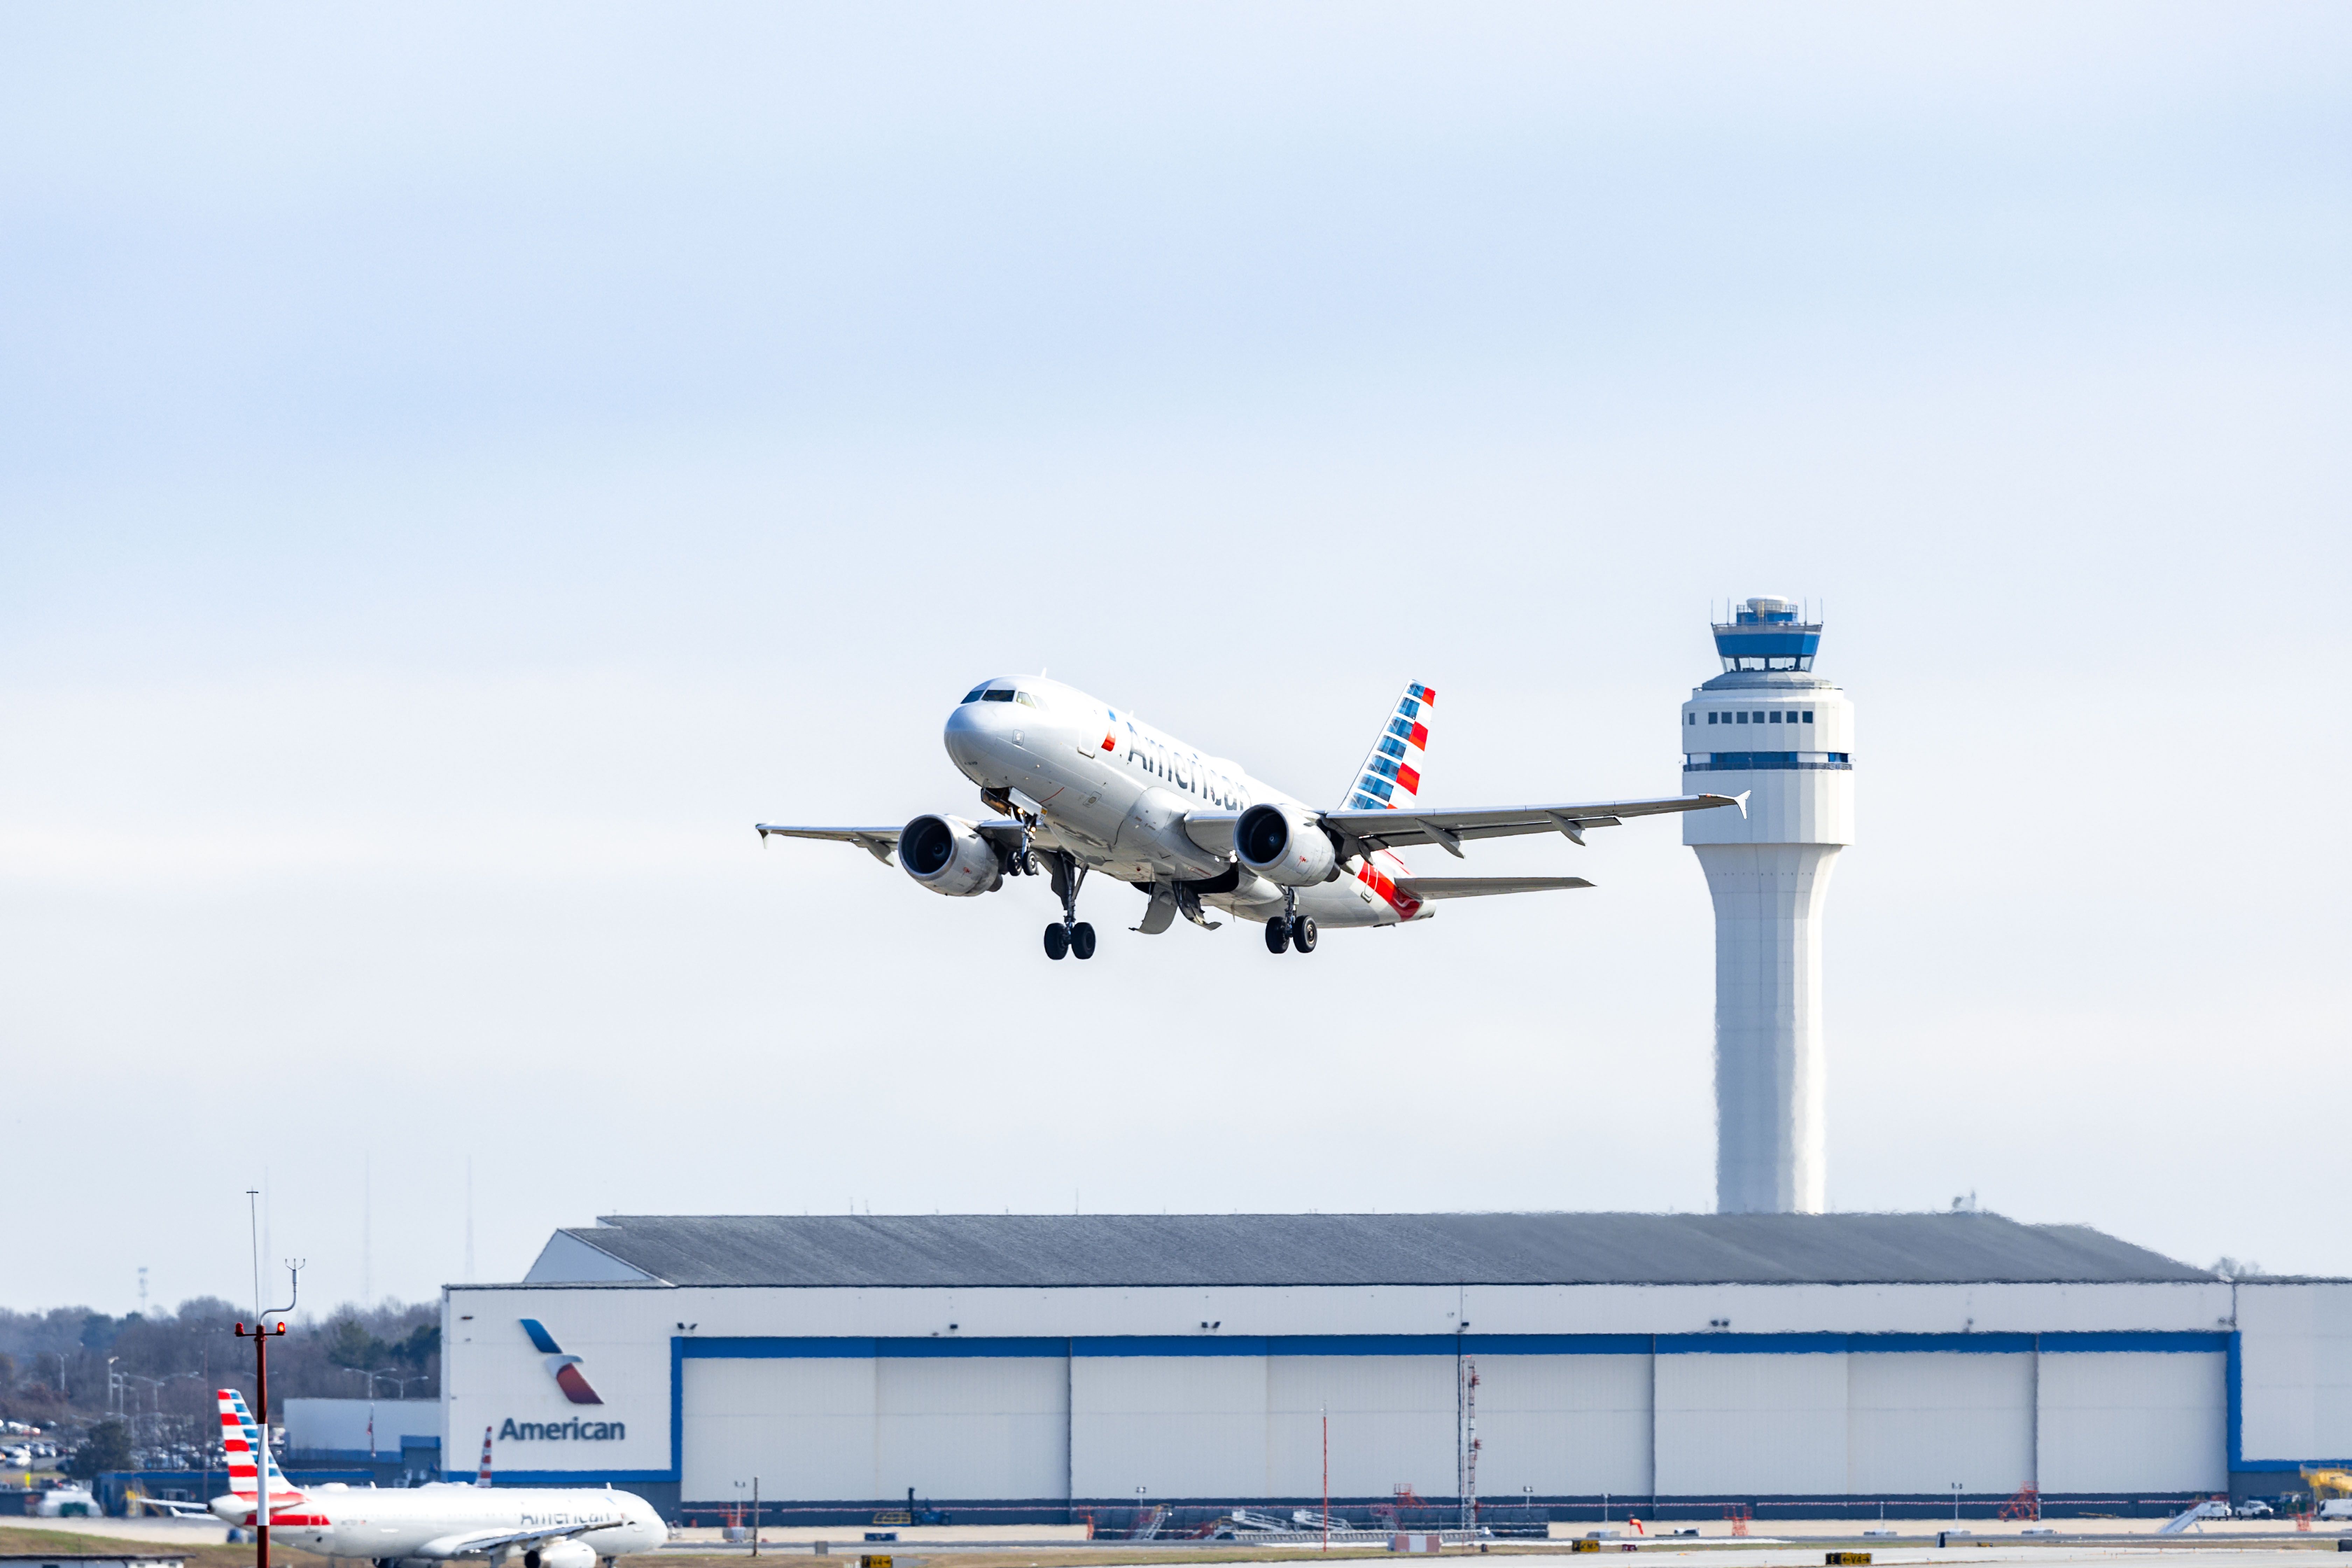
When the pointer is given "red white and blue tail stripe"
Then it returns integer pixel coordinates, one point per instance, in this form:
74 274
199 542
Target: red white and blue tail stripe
1391 777
482 1477
250 1471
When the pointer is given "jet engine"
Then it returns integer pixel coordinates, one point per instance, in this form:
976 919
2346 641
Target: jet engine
572 1553
1285 845
946 856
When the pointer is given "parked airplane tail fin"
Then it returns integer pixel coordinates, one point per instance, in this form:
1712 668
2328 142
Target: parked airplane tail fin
483 1478
251 1471
237 1440
1391 777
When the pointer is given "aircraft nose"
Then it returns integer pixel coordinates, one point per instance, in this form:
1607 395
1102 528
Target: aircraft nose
969 729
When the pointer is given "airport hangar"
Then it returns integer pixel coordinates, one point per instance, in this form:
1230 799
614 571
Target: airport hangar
1037 1368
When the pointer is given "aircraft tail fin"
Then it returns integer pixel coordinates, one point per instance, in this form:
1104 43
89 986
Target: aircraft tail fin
252 1473
482 1478
237 1440
1391 776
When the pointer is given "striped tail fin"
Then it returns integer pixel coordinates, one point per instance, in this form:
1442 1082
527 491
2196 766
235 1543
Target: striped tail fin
237 1440
1391 777
251 1471
483 1478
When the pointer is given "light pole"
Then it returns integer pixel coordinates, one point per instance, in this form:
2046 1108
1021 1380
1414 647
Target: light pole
1955 1502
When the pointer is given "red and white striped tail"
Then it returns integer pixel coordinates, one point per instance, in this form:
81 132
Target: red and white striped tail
248 1456
238 1440
483 1478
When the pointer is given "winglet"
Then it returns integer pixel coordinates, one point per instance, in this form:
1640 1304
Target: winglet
1741 799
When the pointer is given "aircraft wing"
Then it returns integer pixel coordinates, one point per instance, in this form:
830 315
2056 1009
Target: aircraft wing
482 1541
1447 829
176 1509
880 842
1428 888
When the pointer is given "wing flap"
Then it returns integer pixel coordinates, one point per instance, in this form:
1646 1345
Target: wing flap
1428 888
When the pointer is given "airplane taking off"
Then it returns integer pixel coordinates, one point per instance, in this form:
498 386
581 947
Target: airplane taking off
1113 795
531 1527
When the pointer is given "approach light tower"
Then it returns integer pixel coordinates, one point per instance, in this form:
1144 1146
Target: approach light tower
1770 727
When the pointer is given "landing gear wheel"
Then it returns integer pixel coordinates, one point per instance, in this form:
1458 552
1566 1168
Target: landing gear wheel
1302 935
1057 941
1277 934
1082 941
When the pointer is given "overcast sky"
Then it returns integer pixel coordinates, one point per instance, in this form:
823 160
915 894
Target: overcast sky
460 467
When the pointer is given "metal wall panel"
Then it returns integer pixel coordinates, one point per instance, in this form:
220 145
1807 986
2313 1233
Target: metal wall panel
802 1426
983 1427
2133 1420
1180 1426
2295 1390
1392 1425
1917 1422
1751 1423
1574 1424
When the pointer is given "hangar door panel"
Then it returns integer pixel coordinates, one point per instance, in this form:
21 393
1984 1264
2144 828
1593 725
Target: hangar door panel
2133 1420
1919 1421
1392 1421
1754 1422
1189 1426
803 1426
1560 1424
976 1426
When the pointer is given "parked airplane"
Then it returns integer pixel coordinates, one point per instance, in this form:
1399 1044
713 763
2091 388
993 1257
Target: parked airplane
1113 795
542 1527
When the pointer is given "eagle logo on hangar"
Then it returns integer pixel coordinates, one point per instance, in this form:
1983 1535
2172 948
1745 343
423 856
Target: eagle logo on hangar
564 1369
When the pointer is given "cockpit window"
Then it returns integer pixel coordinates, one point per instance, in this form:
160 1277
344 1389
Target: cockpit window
1002 694
1023 697
975 695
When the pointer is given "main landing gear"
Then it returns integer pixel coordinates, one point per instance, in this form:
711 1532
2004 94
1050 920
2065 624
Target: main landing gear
1072 935
1290 928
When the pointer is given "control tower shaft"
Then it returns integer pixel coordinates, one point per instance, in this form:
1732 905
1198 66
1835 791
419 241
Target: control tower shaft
1770 727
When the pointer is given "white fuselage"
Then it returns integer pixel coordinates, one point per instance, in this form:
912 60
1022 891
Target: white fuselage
1119 807
394 1523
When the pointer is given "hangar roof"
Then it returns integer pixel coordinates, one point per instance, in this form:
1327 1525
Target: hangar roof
1068 1250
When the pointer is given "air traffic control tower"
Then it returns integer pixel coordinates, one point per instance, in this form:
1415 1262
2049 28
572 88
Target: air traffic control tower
1770 727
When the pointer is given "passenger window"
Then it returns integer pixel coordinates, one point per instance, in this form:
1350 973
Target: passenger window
1712 716
1743 718
1809 715
973 695
1776 716
1002 694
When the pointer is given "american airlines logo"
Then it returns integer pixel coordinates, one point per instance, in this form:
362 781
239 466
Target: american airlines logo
564 1369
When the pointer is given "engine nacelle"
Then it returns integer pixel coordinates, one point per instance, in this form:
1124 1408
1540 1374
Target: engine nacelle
946 855
572 1553
1285 845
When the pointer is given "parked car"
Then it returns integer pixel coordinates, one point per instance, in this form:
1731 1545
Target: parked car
2250 1508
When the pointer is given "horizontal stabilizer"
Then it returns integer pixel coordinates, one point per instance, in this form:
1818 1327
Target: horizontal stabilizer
1428 888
